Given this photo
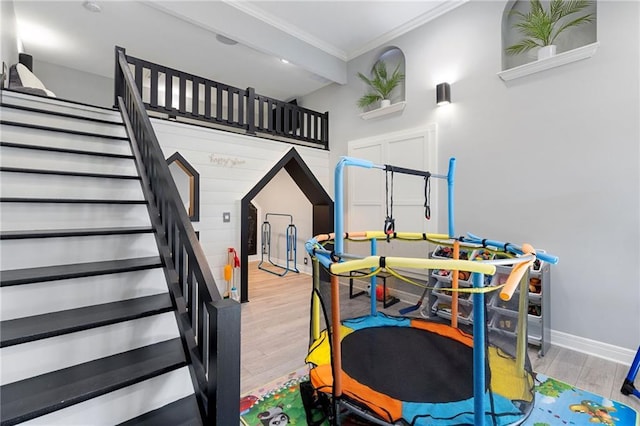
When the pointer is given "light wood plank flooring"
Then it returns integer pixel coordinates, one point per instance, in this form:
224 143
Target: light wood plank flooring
275 337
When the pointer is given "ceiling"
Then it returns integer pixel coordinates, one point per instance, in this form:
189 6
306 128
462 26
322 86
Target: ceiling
318 38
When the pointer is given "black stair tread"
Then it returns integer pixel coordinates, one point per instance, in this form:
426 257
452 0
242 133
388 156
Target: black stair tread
67 173
54 233
183 412
62 114
77 270
43 394
65 150
61 130
22 330
69 200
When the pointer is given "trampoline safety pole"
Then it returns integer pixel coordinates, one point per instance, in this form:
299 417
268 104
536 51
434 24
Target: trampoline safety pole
374 281
336 349
479 353
523 311
450 194
454 284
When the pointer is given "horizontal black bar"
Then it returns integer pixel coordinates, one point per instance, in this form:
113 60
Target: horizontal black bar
61 114
404 171
59 130
81 232
69 200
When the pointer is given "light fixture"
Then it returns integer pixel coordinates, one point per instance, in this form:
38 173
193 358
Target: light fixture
92 6
284 61
443 94
225 40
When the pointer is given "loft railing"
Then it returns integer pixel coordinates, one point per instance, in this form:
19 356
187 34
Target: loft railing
209 325
179 94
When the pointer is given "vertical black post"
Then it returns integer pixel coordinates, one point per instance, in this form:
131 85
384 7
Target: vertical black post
325 130
118 78
244 250
251 110
223 387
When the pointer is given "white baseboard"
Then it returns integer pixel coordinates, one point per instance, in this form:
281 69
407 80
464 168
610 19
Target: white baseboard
593 347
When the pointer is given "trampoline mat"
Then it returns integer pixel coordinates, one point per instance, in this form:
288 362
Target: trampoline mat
410 364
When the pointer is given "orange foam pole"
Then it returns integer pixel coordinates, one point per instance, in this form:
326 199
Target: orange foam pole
454 285
335 336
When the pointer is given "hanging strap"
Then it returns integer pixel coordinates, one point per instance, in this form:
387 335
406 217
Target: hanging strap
427 197
389 221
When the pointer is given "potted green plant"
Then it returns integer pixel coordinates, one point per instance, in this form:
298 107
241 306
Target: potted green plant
382 84
542 27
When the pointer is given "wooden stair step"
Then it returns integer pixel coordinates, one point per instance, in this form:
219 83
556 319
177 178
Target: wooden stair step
36 396
69 200
57 233
63 272
65 150
28 329
59 130
183 412
67 173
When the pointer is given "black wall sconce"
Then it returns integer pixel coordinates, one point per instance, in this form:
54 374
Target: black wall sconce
443 94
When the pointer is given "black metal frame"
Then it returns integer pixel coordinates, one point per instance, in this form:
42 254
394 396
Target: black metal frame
209 325
244 108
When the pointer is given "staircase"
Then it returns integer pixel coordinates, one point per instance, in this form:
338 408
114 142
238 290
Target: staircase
89 333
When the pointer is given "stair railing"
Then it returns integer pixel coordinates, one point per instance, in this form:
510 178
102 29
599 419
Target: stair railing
209 325
179 94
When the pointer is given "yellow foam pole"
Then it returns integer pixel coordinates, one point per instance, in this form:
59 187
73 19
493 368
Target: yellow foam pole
315 301
416 263
454 285
336 348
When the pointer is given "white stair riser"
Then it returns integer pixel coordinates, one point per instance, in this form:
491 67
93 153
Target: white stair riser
25 135
29 185
44 297
42 356
124 404
56 105
35 159
33 253
27 216
63 123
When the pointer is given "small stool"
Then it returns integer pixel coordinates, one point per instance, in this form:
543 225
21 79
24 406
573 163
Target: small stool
388 301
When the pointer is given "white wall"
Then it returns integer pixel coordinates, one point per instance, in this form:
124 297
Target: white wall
79 86
551 159
230 165
282 195
8 45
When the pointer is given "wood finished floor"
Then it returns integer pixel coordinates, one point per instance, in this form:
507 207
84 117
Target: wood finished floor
275 337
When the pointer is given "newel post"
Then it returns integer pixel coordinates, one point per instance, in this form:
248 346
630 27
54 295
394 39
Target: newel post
118 77
223 387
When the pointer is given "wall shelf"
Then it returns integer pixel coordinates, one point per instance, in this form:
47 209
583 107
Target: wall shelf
380 112
560 59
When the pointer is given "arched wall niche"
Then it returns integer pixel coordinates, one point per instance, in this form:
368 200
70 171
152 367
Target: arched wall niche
393 57
570 39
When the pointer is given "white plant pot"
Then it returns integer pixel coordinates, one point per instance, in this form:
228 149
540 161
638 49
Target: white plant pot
547 51
385 103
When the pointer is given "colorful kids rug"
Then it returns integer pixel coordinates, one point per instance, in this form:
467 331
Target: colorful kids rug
279 403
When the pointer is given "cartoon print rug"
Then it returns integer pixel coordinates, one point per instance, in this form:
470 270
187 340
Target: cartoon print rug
557 403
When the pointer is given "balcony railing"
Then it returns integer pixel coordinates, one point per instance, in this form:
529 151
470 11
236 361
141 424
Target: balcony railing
176 93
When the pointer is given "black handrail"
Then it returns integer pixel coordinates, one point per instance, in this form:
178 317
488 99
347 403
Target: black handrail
209 325
227 106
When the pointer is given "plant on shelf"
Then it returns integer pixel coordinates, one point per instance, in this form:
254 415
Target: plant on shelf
542 27
381 83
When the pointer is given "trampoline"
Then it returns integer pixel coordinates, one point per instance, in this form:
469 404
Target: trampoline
405 370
